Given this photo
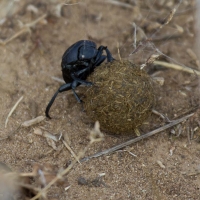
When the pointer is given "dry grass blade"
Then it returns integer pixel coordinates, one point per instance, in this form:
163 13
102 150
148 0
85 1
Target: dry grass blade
11 133
26 28
46 134
120 146
169 18
150 60
71 151
58 79
118 51
177 67
33 121
61 174
117 3
71 4
12 110
93 138
192 54
165 118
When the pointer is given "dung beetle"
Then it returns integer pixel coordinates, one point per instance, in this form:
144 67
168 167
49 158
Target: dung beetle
78 62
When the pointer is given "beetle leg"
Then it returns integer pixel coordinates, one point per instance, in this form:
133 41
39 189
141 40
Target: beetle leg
74 77
109 56
76 96
78 73
74 85
99 61
72 67
99 56
62 88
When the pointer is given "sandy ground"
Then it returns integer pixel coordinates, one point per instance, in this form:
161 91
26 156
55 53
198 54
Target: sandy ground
164 166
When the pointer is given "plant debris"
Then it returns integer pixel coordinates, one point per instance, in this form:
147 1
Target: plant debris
33 121
12 110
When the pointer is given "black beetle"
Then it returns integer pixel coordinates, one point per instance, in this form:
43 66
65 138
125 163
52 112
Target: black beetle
78 62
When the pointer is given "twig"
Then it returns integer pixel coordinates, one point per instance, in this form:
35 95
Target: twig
46 134
128 152
71 151
194 173
11 133
135 36
167 21
117 3
119 52
150 60
120 146
193 56
71 4
30 187
12 110
26 28
177 67
58 79
61 174
142 44
188 134
169 18
165 118
33 121
93 138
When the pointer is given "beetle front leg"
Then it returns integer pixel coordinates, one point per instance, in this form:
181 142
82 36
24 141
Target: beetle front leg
109 55
74 77
99 55
99 61
62 88
74 85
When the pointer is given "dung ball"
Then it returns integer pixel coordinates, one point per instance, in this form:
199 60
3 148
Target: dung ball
121 98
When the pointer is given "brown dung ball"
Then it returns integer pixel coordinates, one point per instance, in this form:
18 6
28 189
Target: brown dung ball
121 98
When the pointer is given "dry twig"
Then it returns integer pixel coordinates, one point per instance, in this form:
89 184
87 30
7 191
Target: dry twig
26 28
177 67
143 43
120 146
46 134
117 3
12 110
71 151
33 121
169 18
95 136
58 79
165 118
120 58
